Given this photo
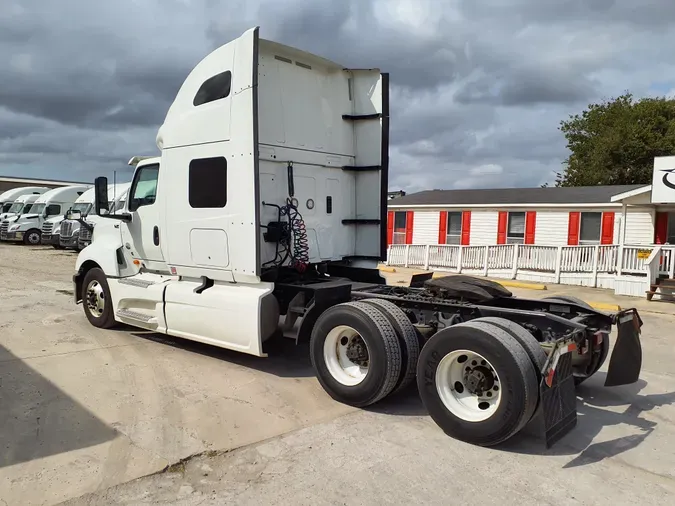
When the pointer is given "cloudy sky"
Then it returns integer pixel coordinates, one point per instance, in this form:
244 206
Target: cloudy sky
478 86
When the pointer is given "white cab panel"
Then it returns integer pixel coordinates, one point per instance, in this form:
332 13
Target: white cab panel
224 315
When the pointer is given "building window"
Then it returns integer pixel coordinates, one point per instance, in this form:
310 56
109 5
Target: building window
515 232
454 228
589 229
207 185
399 227
214 88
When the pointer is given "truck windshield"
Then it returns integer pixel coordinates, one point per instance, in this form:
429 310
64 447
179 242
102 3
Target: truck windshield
6 206
83 207
38 208
16 208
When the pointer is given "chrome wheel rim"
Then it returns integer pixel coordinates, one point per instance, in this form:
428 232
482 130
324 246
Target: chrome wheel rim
95 299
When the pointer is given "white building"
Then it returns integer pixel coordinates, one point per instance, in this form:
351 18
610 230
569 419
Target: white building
608 236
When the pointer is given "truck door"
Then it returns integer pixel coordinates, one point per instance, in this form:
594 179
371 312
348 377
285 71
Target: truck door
141 236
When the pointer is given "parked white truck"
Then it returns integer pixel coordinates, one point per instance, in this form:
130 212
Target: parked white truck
267 209
29 227
70 230
22 205
8 197
117 195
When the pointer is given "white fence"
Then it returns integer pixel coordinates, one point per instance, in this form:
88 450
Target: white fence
628 270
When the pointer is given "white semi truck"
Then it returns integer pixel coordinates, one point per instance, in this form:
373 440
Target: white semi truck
53 203
265 215
22 205
8 197
117 194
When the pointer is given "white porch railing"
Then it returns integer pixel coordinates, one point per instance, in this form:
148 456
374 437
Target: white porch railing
592 266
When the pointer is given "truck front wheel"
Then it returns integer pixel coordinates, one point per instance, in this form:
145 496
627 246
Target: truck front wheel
32 237
96 299
477 383
355 353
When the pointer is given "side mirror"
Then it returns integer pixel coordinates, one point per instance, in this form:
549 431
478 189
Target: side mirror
73 215
101 196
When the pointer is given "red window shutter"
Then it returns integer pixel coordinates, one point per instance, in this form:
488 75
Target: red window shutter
466 228
409 227
661 228
390 227
530 226
573 228
607 232
442 227
501 227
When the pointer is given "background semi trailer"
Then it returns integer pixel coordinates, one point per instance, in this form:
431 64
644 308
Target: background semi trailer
22 205
265 216
53 203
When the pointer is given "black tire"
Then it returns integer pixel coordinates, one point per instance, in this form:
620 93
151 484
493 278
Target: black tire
604 351
407 338
384 353
519 333
517 380
105 319
530 345
32 238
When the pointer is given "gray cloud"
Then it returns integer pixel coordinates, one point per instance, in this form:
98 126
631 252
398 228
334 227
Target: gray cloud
478 88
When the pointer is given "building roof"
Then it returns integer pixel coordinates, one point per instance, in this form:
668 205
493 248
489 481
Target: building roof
514 196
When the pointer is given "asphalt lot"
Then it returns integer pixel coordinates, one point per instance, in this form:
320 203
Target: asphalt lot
83 410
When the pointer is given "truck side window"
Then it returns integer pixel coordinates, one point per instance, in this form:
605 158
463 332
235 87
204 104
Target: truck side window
214 88
53 209
207 182
144 187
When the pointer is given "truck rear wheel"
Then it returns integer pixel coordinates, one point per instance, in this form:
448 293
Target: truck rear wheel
355 353
96 299
407 338
477 382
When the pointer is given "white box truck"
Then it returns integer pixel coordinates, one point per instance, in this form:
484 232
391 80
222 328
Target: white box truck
266 214
8 197
70 230
55 202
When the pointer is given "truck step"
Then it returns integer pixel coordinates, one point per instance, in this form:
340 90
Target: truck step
357 117
134 315
361 168
141 283
359 221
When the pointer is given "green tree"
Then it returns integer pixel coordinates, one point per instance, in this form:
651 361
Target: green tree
615 141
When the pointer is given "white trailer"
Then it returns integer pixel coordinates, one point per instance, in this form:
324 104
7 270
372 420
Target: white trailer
266 214
8 197
53 203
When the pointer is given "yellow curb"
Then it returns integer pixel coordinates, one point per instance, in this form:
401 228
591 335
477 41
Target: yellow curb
603 306
520 284
384 268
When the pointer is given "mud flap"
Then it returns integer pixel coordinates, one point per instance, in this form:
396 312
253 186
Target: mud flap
626 361
556 413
